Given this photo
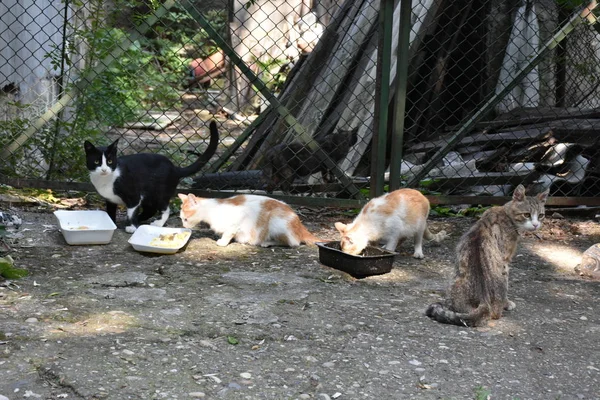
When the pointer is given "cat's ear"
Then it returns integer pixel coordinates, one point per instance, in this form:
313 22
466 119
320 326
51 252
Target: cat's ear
519 193
114 144
341 227
88 146
543 196
182 196
192 198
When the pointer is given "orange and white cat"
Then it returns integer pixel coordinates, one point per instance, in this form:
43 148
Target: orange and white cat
250 219
390 218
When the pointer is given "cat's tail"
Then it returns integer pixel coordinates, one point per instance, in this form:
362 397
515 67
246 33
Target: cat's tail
307 237
436 237
440 313
204 157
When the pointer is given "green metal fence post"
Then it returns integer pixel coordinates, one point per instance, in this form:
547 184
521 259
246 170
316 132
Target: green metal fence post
400 96
384 55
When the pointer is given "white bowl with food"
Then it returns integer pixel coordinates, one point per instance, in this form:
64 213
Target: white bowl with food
81 227
156 239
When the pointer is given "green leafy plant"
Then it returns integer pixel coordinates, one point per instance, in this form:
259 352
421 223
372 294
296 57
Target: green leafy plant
482 393
232 340
148 75
8 270
442 211
475 211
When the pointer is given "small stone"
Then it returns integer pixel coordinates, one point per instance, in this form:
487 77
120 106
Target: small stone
311 359
31 320
302 396
234 385
414 362
6 398
197 395
246 375
583 318
557 216
323 396
128 352
329 364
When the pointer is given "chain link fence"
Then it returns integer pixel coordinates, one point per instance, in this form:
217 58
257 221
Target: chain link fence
498 92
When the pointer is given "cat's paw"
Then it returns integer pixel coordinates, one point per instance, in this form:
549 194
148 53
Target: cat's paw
418 254
130 229
510 305
222 242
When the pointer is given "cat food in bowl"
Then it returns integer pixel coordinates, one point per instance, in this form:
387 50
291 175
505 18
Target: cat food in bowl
85 226
372 261
156 239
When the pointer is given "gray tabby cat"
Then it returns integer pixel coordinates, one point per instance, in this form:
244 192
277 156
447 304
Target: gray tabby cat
480 286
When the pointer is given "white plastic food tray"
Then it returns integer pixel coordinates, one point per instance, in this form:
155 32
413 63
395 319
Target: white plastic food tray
85 226
144 234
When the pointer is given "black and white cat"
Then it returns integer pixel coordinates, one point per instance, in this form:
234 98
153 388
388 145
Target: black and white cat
140 181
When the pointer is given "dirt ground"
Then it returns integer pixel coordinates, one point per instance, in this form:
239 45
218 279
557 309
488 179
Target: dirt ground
107 322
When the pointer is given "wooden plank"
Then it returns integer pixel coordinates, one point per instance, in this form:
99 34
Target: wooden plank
431 100
480 179
327 84
523 136
522 116
271 131
582 131
361 109
499 200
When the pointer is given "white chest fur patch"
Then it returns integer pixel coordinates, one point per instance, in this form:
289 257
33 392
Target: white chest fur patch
104 183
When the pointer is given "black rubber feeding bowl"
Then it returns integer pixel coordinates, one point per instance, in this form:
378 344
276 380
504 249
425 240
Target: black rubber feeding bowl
372 261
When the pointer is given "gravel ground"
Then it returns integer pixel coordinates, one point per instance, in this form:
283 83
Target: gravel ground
107 322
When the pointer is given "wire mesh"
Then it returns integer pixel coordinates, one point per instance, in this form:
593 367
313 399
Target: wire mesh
293 87
539 133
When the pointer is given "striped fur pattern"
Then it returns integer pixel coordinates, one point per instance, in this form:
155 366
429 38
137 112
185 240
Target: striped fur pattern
250 219
389 219
480 287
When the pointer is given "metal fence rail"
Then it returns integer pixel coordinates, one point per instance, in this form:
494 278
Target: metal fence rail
322 102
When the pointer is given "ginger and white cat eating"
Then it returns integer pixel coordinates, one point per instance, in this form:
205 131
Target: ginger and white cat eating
389 219
250 219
